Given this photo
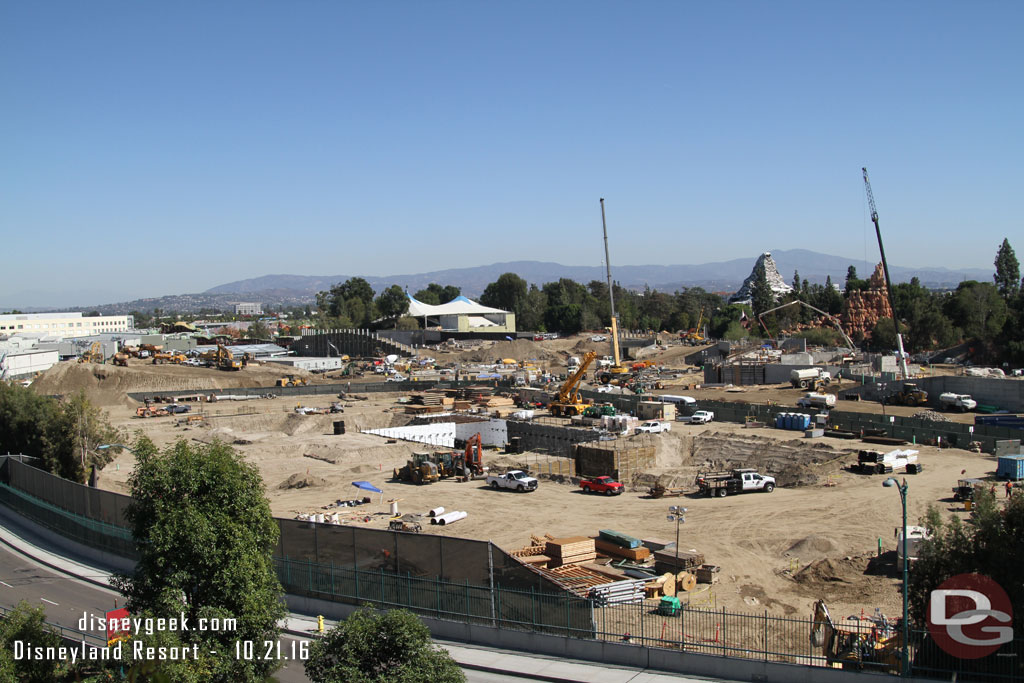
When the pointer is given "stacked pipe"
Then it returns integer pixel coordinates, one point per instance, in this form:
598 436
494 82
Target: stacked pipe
448 517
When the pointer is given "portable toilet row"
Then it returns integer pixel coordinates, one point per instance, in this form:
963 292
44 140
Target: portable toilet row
794 421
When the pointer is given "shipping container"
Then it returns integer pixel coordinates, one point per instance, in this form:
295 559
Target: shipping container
1010 467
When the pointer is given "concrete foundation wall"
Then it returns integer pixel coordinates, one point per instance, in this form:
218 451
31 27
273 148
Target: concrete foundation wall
437 434
548 438
307 363
492 432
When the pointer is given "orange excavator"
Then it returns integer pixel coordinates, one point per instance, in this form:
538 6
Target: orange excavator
471 463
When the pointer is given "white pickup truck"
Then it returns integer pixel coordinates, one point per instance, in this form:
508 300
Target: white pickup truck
654 427
517 480
698 418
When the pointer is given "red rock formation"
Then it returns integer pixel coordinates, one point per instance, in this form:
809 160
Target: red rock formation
862 310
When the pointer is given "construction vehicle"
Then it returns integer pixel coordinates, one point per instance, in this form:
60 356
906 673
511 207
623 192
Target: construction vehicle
831 318
418 470
872 642
291 381
169 357
909 395
959 402
814 379
694 336
888 283
616 370
226 360
470 463
121 358
93 355
150 411
599 410
401 525
569 402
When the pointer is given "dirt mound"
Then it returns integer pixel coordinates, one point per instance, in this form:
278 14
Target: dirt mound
821 571
302 481
931 416
814 545
520 349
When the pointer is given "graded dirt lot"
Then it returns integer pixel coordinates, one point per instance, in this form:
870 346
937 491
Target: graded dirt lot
815 536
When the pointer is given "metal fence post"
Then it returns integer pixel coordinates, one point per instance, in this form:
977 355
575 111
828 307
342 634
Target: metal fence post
764 643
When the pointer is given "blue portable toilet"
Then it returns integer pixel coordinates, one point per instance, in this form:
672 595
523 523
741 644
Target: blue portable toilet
789 421
806 421
1010 467
779 417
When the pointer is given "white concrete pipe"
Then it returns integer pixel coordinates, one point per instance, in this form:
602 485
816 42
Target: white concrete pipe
435 512
451 517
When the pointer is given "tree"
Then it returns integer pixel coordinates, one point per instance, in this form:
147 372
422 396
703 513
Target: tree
64 434
1007 275
796 281
761 294
508 293
990 542
26 624
392 302
851 276
883 335
531 317
369 647
435 294
977 309
205 536
258 330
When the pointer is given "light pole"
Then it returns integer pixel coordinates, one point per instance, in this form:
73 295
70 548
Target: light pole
676 515
905 655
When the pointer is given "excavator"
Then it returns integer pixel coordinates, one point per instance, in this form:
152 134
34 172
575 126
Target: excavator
871 642
569 402
470 464
93 355
226 360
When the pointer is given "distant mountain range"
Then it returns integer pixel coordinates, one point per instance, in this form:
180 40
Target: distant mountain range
723 276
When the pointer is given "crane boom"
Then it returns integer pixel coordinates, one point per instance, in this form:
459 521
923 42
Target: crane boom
831 318
885 270
611 292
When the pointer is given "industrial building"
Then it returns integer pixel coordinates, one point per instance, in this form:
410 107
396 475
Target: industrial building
63 324
26 363
248 308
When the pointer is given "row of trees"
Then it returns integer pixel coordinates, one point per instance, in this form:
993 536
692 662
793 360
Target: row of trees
64 433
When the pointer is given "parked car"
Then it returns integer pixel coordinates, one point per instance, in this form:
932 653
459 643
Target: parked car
698 418
599 338
517 480
654 427
602 484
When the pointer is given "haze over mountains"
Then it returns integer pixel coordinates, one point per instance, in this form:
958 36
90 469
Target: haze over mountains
724 276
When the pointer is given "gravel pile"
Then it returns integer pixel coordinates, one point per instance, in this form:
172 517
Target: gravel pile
931 416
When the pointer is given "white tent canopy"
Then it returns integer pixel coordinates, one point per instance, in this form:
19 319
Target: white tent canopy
460 305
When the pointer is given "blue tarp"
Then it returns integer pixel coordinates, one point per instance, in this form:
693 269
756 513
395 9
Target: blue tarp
367 486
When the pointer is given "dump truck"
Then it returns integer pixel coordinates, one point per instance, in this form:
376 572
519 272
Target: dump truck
809 378
722 484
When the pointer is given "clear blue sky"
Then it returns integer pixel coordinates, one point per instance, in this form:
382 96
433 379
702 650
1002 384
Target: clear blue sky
156 148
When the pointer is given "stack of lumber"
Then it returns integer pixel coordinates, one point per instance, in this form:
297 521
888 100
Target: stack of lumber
616 544
496 402
707 573
618 592
666 560
463 405
571 550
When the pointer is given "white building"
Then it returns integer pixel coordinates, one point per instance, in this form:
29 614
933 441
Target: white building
463 315
63 324
248 309
17 364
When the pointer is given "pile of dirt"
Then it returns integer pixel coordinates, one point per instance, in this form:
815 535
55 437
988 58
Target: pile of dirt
821 571
520 349
813 546
931 416
302 481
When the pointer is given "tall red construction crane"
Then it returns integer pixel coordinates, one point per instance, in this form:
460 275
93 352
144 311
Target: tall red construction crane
888 283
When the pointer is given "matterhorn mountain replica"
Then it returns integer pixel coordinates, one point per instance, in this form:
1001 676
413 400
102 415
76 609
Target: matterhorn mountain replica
775 281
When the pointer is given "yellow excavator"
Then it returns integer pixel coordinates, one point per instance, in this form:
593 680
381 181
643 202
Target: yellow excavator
93 355
569 401
870 642
226 359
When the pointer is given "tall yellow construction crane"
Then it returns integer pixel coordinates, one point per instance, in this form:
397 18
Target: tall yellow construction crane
606 375
569 402
888 283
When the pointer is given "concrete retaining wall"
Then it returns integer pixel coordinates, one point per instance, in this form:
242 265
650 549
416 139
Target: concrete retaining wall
492 432
436 434
548 438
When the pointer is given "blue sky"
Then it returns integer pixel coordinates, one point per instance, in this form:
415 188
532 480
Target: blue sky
157 148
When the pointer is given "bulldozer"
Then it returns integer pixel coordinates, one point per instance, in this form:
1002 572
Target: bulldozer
866 642
418 470
909 395
292 381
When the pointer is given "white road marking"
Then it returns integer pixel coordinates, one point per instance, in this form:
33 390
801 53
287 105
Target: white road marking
49 601
6 584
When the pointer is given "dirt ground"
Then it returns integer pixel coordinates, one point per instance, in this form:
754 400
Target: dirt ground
815 536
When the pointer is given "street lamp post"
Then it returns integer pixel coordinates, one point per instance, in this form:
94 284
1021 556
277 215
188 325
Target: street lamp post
905 654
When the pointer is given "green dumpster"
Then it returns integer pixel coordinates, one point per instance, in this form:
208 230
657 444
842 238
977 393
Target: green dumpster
669 606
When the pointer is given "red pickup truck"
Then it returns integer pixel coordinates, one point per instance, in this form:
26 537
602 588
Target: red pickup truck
605 485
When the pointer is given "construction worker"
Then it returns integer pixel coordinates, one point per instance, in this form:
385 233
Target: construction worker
1009 488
